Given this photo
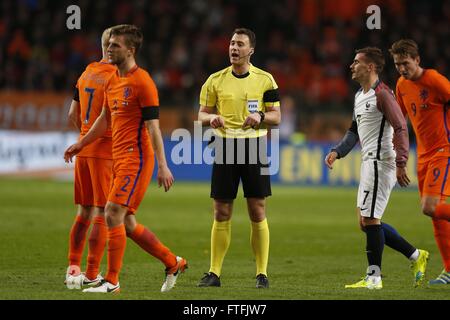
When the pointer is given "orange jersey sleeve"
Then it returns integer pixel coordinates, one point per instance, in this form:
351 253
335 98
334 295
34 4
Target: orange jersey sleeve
148 94
126 96
425 101
91 86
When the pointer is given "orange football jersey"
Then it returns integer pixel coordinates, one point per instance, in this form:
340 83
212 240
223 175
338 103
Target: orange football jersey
91 91
125 98
426 102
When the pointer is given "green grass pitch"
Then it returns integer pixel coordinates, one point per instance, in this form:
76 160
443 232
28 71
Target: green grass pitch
316 246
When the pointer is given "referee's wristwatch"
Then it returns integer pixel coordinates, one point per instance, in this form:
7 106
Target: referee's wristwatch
262 115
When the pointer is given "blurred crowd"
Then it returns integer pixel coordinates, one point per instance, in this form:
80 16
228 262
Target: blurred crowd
307 45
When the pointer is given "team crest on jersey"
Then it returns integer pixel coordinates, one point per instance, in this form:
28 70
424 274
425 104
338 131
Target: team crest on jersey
252 105
367 106
126 92
423 94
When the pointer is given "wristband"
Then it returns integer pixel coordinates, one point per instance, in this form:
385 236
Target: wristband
262 115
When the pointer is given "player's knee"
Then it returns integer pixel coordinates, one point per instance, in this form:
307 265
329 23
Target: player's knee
222 214
428 209
113 214
112 209
257 214
222 211
86 212
366 221
362 227
129 229
100 211
130 225
256 209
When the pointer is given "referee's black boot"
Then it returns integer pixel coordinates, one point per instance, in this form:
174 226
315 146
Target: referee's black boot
209 280
262 281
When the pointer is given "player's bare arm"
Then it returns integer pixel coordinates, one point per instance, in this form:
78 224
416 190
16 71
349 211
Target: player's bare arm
97 130
74 114
208 117
165 177
272 116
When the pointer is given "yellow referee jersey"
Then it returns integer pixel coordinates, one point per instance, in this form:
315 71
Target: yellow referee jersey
236 96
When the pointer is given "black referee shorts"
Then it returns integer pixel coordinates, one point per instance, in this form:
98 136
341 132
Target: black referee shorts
236 160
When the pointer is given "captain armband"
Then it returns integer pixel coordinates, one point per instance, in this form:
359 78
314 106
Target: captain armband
150 113
76 95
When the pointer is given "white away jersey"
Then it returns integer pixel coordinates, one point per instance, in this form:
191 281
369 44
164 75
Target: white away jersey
377 114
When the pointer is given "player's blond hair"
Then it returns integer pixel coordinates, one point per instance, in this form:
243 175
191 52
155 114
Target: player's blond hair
405 47
105 38
133 35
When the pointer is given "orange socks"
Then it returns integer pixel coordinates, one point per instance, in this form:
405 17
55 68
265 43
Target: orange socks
117 240
144 238
442 236
442 211
148 241
97 243
77 240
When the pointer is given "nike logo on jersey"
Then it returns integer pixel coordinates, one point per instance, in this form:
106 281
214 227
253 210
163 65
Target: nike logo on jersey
362 209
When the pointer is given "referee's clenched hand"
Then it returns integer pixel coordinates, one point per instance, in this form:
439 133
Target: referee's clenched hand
217 122
252 120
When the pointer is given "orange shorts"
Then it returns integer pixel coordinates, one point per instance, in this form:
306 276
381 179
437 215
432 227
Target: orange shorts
433 177
131 177
92 181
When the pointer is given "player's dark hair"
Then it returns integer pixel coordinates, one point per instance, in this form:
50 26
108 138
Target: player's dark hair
373 55
405 47
133 35
249 33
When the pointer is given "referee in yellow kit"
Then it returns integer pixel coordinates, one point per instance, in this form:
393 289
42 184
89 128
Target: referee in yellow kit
239 102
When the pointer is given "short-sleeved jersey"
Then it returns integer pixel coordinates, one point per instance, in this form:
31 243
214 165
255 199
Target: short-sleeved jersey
426 102
236 96
381 126
90 87
125 98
